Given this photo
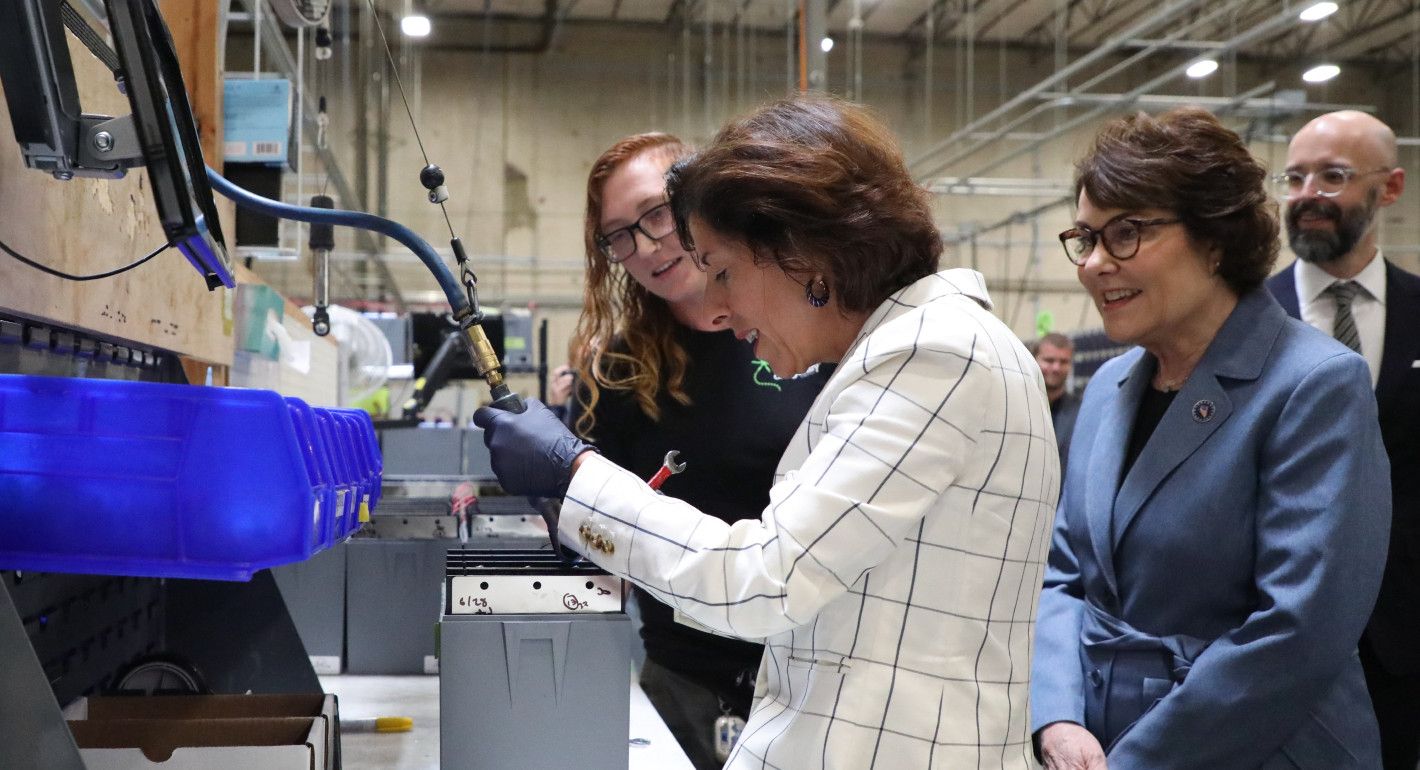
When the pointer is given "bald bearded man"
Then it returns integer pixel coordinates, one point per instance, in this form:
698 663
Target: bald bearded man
1342 168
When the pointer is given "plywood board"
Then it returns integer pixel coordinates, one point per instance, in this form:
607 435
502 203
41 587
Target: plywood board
87 226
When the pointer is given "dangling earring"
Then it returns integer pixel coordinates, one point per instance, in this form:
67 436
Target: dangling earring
820 299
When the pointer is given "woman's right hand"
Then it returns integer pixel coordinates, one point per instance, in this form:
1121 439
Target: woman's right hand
532 452
1069 746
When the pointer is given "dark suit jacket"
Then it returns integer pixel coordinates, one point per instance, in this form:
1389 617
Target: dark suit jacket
1063 413
1394 630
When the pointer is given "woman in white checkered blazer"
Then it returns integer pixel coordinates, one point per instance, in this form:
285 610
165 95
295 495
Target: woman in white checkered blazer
894 575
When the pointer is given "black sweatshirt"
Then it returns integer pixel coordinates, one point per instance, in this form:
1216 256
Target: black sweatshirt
731 438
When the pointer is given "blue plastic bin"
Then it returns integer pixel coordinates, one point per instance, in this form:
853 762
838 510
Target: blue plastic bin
359 478
368 480
360 433
148 479
318 468
347 480
372 450
369 447
345 430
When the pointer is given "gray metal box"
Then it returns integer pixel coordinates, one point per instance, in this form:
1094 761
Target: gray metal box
534 691
476 461
314 591
422 451
436 452
393 594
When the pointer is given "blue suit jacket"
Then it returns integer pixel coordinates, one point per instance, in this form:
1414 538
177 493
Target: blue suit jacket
1394 630
1203 611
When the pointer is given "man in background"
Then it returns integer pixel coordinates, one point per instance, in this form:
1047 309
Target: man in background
1053 353
1342 169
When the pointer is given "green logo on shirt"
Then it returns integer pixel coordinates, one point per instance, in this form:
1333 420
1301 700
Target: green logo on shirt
762 367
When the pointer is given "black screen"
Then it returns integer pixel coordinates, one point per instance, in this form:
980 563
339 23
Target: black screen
429 330
253 227
167 132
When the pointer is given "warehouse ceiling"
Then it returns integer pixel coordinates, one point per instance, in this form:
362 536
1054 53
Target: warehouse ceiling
1369 29
1101 56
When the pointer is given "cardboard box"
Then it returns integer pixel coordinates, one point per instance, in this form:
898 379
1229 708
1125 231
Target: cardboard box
292 743
256 119
269 732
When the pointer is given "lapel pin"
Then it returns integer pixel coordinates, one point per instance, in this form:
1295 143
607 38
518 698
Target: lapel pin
1204 410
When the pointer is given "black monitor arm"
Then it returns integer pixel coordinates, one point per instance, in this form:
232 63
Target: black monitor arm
38 76
436 375
57 137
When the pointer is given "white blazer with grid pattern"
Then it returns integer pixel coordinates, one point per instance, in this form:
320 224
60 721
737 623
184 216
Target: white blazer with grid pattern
895 574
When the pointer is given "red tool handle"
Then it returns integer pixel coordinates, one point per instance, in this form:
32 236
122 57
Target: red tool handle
660 477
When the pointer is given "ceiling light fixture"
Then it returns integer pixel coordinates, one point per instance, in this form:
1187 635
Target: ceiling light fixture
826 44
415 25
1317 11
1321 73
1201 68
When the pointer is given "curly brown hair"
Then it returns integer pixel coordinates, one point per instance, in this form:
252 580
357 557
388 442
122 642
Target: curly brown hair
625 336
1188 162
815 185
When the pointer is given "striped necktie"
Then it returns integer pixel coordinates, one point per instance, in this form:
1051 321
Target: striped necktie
1344 292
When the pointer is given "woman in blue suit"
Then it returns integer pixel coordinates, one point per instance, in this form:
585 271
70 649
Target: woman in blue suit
1222 528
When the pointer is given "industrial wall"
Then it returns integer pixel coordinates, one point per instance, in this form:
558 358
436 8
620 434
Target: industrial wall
516 133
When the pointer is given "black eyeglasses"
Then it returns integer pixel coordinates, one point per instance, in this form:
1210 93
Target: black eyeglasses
1120 236
619 244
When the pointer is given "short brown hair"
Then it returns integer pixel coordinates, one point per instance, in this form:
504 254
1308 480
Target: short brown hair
1054 340
814 184
1188 162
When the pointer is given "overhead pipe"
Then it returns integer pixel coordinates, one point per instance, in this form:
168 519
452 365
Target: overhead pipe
739 57
725 39
1169 11
1041 109
550 25
855 41
685 68
1190 45
1009 186
707 59
970 80
1269 26
1128 62
1036 90
1171 100
1018 217
930 38
815 30
790 70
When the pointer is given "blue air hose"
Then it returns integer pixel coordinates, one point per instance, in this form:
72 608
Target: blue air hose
421 248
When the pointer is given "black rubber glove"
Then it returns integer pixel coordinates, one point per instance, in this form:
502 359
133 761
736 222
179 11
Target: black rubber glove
550 508
532 452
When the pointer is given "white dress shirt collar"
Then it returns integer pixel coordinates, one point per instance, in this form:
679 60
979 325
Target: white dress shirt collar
1367 309
1312 280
